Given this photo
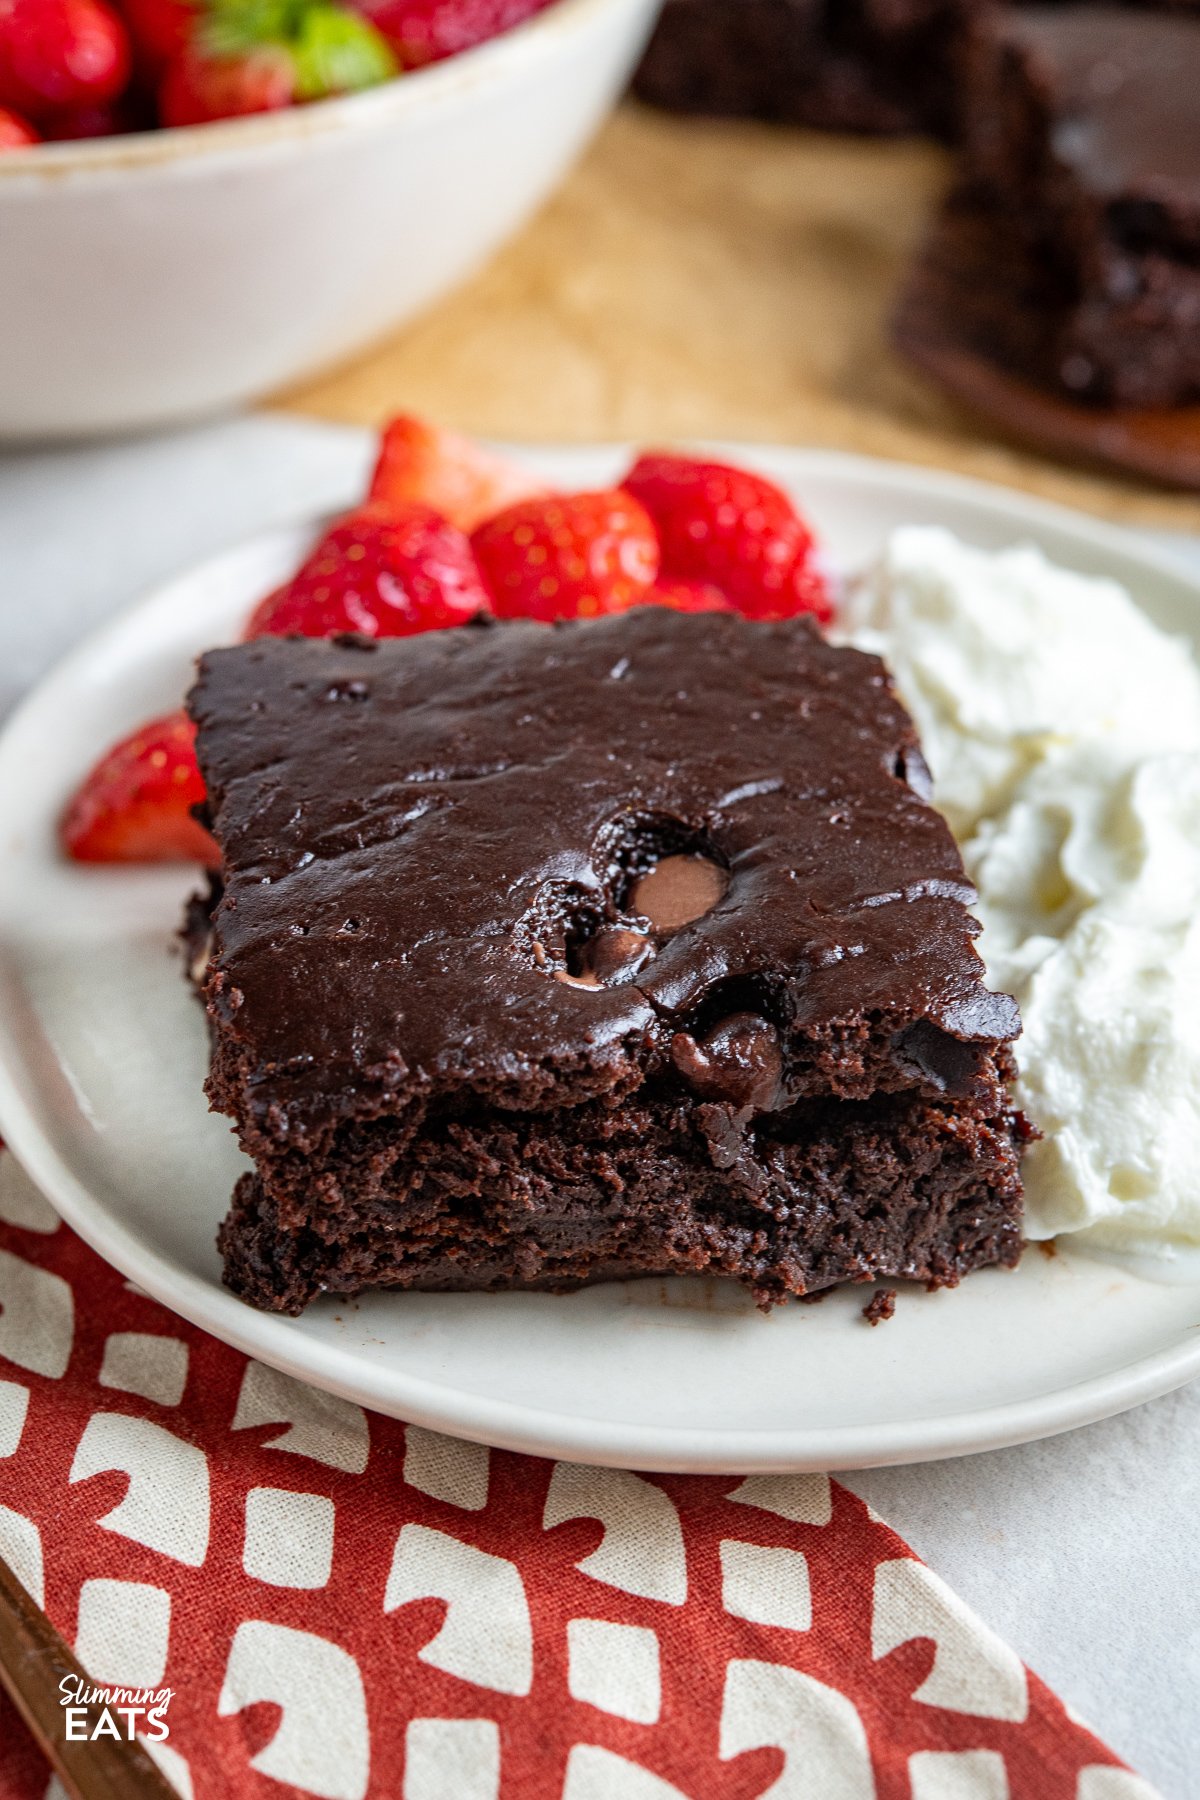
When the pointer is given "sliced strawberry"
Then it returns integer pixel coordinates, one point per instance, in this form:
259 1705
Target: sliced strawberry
60 55
448 472
688 596
16 133
425 31
383 571
135 806
726 526
568 556
198 88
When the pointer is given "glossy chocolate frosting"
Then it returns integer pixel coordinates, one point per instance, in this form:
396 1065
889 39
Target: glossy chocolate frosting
433 849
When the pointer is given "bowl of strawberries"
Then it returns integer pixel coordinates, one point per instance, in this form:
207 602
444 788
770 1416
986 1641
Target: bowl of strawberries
203 200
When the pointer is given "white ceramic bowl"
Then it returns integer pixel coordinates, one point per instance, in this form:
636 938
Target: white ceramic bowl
156 277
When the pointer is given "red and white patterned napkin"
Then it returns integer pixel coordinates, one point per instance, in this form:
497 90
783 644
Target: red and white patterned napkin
348 1607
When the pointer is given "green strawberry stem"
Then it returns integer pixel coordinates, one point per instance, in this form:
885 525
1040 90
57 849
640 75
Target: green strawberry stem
333 49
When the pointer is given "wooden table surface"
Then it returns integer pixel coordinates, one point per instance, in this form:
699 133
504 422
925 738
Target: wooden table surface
701 278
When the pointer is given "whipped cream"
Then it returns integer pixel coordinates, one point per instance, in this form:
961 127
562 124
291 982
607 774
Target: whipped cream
1063 731
1003 658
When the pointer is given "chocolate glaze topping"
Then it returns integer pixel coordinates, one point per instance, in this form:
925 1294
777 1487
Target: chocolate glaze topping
440 853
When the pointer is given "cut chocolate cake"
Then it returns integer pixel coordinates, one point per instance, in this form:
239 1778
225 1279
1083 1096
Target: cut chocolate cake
1082 158
547 955
1066 260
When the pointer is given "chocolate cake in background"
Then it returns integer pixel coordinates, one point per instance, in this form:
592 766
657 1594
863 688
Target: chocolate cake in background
1081 151
872 66
1068 254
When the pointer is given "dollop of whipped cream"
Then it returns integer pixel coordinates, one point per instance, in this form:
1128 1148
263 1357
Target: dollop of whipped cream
1003 658
1063 731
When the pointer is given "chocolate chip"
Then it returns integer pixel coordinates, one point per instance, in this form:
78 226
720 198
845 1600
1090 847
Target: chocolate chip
739 1061
677 890
612 956
616 954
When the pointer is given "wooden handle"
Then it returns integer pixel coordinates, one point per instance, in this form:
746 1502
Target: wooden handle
33 1662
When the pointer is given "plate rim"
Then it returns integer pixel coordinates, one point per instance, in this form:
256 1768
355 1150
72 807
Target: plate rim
504 1423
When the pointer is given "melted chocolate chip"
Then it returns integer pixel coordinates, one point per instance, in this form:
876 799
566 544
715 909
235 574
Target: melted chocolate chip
739 1061
677 890
613 955
617 954
945 1061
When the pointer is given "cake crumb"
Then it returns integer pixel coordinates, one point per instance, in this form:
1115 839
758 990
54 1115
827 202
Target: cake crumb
880 1306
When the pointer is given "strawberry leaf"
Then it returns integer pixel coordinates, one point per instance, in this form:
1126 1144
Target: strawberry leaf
233 27
337 52
333 50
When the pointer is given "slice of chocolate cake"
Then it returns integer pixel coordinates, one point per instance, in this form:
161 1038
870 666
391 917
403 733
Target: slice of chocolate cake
1082 157
547 955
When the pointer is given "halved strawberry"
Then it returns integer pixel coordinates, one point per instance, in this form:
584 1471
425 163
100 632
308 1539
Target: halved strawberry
732 528
687 596
135 805
568 556
448 472
384 571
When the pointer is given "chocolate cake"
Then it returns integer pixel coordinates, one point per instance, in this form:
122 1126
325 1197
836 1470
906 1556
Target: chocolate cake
1066 260
872 66
1082 158
547 955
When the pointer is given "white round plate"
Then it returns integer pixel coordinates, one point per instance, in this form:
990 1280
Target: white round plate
103 1053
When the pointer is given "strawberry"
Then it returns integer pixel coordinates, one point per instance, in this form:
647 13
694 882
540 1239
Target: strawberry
16 133
92 122
251 56
60 55
734 529
448 472
425 31
160 30
687 596
198 88
383 571
568 556
135 806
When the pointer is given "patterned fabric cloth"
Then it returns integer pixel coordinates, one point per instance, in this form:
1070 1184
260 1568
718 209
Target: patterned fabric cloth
348 1607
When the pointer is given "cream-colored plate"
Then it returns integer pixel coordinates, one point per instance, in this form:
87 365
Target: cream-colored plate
102 1056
